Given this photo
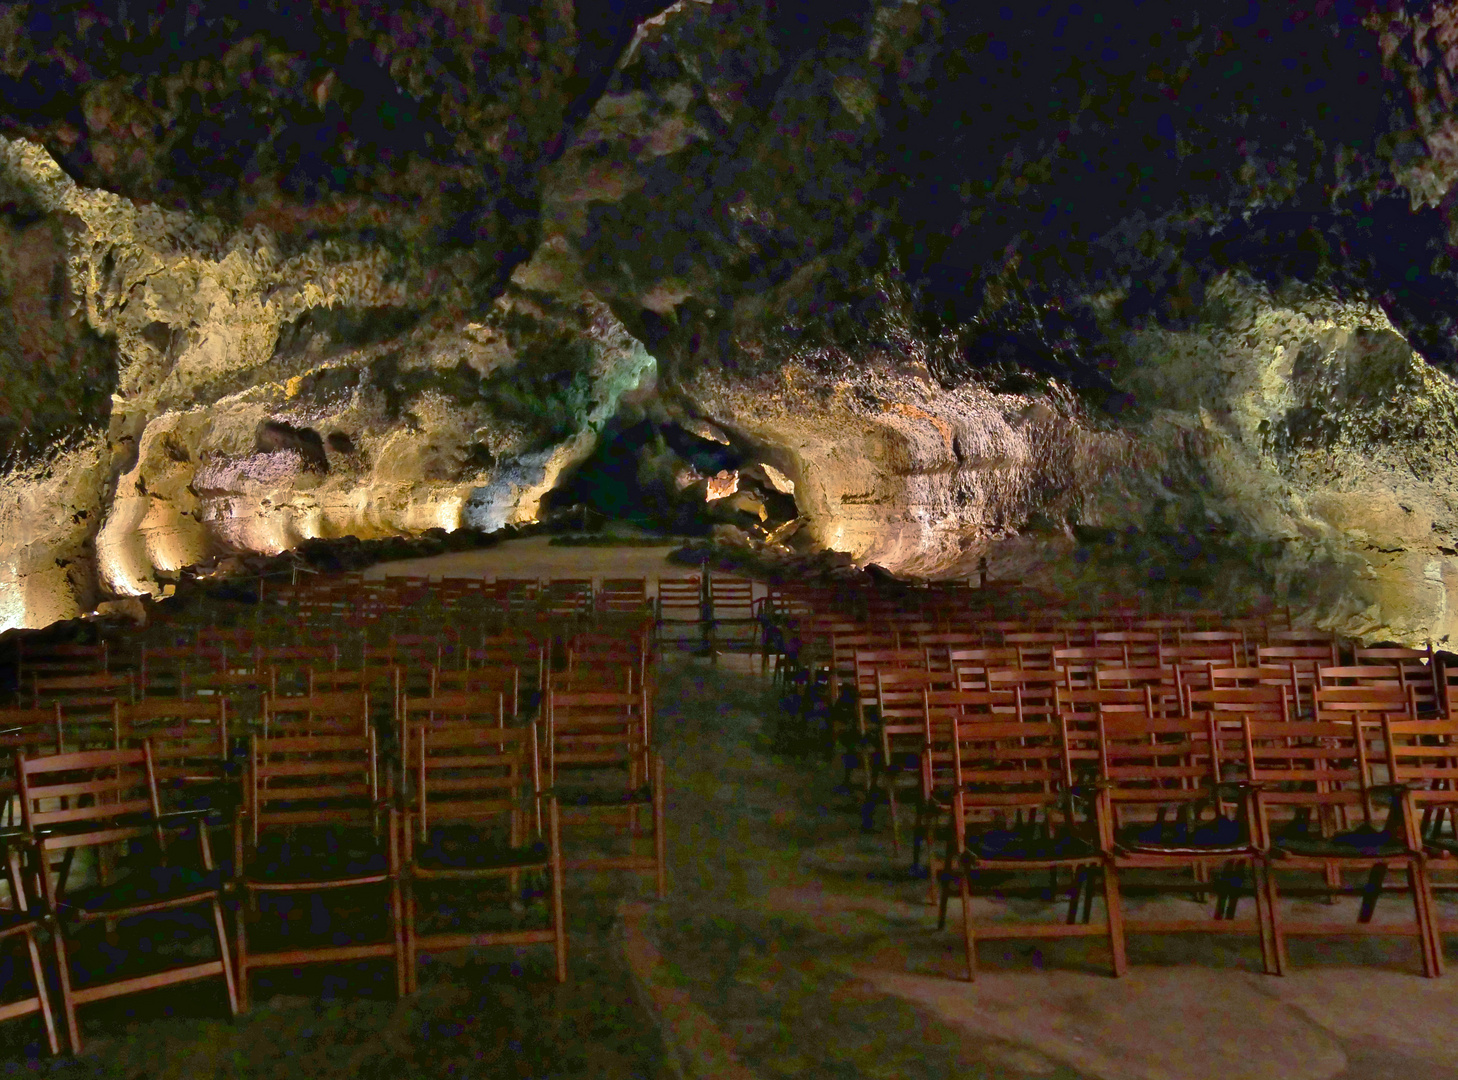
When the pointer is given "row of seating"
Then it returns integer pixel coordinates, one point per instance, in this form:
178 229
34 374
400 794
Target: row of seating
398 777
1118 744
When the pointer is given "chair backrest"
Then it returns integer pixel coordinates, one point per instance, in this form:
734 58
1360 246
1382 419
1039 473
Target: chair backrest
972 665
189 738
1364 704
939 708
1423 754
623 594
96 688
597 730
569 596
470 773
343 712
1080 708
1419 667
312 780
469 708
680 599
730 597
1007 761
91 798
503 680
1149 760
28 732
900 696
1310 763
51 659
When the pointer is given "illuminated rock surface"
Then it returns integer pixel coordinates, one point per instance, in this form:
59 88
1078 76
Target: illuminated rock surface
1153 300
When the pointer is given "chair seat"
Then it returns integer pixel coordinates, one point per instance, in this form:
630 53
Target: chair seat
1360 843
316 855
144 886
1219 836
605 796
1008 845
464 848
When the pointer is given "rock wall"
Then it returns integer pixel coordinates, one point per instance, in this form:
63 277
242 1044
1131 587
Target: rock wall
1024 284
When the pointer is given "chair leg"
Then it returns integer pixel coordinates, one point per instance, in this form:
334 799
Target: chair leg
1372 892
560 942
43 995
1432 944
970 944
397 927
412 974
1278 936
1263 918
660 837
227 956
1114 910
68 999
895 825
1076 894
240 966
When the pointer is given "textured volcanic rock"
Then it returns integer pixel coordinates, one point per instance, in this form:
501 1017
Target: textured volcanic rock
1154 295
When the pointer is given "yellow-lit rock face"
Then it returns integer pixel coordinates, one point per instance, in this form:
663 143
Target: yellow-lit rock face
226 438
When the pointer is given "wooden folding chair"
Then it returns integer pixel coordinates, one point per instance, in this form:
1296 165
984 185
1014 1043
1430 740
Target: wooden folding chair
102 799
679 606
190 752
315 821
731 607
1014 810
1312 776
30 732
900 730
475 814
1422 761
602 769
1151 766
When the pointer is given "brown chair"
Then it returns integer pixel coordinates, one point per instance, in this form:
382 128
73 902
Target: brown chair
603 771
102 799
1014 811
731 607
1168 806
189 751
1312 777
900 731
680 607
315 820
1422 759
476 814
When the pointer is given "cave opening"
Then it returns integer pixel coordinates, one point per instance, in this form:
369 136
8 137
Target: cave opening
661 478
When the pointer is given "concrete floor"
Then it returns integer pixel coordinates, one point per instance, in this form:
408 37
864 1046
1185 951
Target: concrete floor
793 945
